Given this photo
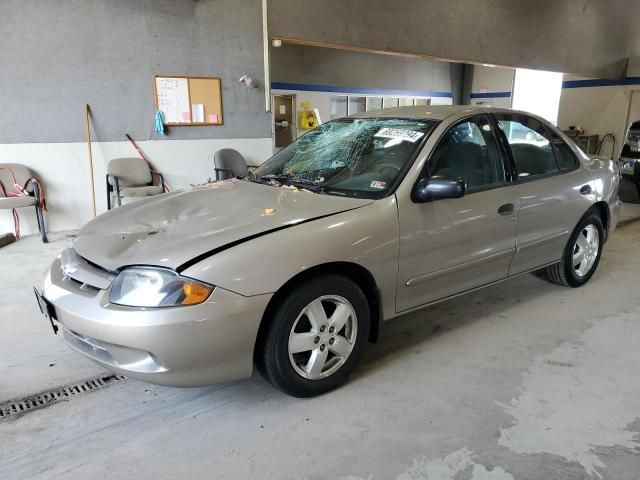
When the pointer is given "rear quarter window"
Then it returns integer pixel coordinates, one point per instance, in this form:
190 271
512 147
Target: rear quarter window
566 158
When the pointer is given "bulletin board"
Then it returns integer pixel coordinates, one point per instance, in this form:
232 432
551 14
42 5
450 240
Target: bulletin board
189 100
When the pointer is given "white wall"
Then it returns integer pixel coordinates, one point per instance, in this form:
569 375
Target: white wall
488 80
441 101
598 110
64 171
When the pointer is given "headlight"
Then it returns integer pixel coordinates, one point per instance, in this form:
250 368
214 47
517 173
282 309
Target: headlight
156 287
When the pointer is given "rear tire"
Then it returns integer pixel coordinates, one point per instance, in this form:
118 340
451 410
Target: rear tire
581 255
315 336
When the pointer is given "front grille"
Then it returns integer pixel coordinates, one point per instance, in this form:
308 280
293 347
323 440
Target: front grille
81 271
83 286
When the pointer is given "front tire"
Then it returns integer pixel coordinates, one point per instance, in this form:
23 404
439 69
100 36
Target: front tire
581 255
315 336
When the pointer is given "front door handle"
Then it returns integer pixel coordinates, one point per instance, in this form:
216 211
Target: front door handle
585 190
506 209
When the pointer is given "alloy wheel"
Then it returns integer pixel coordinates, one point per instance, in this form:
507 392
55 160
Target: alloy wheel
322 337
585 250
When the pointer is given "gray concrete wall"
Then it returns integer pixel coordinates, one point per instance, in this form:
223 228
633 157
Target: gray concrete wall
58 55
325 66
589 37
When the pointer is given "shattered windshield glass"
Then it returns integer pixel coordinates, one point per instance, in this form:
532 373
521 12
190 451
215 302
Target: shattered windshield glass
359 157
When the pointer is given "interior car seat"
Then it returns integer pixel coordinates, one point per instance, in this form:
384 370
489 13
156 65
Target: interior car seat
464 160
533 160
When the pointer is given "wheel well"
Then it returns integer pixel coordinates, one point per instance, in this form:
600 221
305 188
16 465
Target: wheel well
358 274
602 210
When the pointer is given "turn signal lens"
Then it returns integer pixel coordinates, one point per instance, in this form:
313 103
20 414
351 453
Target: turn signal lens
194 293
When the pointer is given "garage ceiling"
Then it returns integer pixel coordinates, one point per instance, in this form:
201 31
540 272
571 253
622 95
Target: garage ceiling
584 37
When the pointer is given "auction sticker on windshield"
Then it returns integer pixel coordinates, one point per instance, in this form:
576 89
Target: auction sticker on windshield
399 133
378 184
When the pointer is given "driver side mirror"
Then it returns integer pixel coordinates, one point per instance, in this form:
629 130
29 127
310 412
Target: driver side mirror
437 187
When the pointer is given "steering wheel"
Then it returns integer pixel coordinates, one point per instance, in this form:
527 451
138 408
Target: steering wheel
381 168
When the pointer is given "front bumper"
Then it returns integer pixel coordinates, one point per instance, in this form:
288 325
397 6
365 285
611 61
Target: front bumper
194 345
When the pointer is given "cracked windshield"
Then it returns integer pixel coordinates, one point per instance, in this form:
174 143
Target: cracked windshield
359 157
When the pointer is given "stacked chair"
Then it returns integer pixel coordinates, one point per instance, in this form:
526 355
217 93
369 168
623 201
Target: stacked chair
229 163
132 178
19 188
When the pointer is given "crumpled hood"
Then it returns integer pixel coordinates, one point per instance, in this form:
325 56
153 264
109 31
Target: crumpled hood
174 228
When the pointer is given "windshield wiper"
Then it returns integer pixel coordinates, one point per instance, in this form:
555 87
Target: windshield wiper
252 177
263 179
291 180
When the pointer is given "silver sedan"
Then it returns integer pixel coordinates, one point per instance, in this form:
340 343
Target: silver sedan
294 267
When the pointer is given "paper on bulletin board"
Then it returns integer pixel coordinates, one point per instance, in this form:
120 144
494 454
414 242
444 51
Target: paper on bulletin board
173 98
213 118
197 112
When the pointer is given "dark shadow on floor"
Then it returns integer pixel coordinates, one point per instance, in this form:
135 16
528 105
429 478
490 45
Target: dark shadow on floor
419 328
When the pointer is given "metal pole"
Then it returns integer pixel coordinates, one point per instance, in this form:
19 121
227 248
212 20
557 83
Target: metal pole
91 179
265 46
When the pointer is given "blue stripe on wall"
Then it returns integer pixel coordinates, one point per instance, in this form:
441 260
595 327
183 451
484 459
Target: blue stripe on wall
600 82
491 95
364 91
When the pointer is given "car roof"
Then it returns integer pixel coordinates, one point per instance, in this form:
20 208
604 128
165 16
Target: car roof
435 112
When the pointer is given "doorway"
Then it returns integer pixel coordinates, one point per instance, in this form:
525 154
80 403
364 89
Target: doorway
633 111
537 91
284 120
632 116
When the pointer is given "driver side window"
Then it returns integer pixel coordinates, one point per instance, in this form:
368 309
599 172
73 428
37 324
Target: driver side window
469 151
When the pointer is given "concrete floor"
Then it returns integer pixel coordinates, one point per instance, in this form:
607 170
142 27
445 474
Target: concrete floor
524 380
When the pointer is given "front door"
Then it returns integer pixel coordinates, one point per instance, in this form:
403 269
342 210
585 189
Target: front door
449 246
284 127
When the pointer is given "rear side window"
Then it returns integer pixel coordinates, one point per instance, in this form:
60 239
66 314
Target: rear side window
530 144
566 158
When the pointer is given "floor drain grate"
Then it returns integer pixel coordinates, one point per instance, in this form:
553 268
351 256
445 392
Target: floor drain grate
44 399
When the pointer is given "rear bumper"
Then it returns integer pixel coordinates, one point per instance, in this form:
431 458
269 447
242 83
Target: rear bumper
184 346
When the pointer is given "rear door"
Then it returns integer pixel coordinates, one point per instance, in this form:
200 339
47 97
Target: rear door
448 246
554 190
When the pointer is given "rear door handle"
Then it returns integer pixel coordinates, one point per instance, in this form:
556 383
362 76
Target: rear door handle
506 209
585 190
